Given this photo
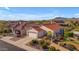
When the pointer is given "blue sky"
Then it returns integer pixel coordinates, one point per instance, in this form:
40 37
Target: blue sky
37 13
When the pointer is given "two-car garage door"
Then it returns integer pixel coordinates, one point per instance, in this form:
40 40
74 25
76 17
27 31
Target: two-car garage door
32 34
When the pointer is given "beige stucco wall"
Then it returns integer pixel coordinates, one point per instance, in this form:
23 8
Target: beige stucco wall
13 31
32 35
23 32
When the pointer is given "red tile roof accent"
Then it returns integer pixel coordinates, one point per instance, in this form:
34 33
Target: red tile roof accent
53 26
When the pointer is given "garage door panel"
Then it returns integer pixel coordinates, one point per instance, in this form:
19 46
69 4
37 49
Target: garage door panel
32 34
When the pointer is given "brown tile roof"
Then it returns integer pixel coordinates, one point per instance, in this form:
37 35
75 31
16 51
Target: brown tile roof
54 26
21 26
13 25
17 25
37 28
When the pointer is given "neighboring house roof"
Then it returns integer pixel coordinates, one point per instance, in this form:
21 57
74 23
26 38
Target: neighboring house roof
77 34
37 28
53 26
77 20
13 25
18 25
24 25
21 26
59 21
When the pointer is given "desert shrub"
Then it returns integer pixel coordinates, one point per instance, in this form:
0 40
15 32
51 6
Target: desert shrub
62 44
34 42
44 46
51 48
42 42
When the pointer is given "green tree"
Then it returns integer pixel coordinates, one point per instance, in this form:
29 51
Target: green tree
70 34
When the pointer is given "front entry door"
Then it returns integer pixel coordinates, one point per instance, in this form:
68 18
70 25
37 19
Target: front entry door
18 33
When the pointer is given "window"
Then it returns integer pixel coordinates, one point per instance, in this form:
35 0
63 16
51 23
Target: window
17 32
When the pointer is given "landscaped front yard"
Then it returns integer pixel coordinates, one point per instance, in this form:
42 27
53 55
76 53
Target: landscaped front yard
43 45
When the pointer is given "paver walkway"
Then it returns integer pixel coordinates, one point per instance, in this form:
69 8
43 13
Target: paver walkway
20 43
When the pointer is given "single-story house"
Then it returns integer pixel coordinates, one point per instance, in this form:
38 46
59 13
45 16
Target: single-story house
35 32
54 28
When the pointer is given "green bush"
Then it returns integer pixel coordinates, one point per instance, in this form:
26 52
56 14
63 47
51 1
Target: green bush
34 42
45 46
1 31
62 44
5 30
43 42
70 34
51 48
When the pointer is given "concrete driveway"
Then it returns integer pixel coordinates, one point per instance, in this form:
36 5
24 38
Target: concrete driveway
21 43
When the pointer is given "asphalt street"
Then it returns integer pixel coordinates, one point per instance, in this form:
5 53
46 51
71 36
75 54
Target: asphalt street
8 47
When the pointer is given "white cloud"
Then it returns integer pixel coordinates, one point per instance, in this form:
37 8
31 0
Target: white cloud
6 15
7 8
76 15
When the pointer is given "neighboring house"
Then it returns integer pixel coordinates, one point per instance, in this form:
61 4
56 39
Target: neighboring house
35 32
76 33
18 29
54 28
59 21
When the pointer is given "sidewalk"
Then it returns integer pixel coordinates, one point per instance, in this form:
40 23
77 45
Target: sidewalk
20 43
